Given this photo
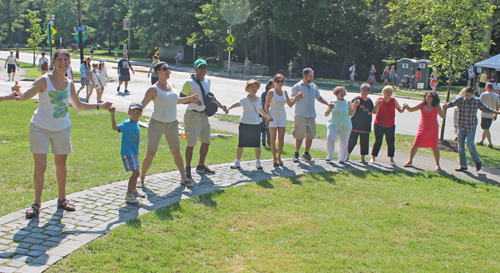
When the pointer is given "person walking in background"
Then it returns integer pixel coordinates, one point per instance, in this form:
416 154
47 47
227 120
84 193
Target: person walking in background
249 128
247 66
10 64
124 68
69 73
493 76
384 123
95 83
290 68
177 59
385 76
392 76
490 99
467 123
428 130
84 76
352 74
482 81
304 126
17 53
339 124
362 122
154 76
418 78
371 76
265 120
180 58
92 51
43 64
276 114
103 76
434 80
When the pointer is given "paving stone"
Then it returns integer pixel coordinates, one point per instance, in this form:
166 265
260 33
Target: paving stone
8 236
32 240
102 218
4 247
16 263
17 250
21 245
40 247
72 244
35 253
50 243
54 228
39 236
55 239
47 259
6 254
8 269
22 258
33 268
82 228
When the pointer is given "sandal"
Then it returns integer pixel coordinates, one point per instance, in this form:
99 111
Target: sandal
490 146
187 184
408 164
480 143
275 163
33 211
364 162
66 207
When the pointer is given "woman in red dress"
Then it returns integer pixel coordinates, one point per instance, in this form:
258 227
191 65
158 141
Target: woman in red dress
428 130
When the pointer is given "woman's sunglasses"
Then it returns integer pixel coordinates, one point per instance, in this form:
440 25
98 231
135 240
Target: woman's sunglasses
165 68
279 81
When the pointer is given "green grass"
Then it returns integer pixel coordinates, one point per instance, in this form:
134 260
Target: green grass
489 156
96 154
320 222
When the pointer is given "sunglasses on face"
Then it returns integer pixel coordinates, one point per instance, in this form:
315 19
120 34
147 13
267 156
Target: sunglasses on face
279 81
165 68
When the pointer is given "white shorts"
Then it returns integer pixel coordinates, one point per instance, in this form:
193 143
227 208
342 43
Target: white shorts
40 139
278 122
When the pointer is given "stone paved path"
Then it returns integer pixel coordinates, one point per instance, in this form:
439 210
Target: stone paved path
34 245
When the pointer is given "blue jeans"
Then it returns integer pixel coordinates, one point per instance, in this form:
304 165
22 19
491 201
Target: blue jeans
470 135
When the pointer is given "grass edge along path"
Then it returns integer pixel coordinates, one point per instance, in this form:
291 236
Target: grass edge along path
317 222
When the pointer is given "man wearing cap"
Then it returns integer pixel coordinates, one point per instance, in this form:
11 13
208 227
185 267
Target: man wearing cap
305 113
195 118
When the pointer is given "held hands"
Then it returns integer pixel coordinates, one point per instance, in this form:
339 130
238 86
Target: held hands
194 99
300 95
224 108
379 102
198 102
269 118
16 91
107 105
405 106
331 105
445 106
112 110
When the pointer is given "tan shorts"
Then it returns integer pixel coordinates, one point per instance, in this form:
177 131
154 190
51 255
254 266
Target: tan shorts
197 126
60 141
156 129
304 127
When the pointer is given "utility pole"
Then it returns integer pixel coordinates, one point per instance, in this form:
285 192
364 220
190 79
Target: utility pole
129 26
80 34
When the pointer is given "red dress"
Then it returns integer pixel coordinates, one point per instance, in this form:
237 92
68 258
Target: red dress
428 129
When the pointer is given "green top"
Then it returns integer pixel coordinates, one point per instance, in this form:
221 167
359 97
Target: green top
247 62
116 50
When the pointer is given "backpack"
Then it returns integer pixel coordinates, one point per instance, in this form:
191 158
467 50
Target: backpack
211 104
45 65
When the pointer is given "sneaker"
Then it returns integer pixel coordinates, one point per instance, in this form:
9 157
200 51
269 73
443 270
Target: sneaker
307 157
478 166
130 198
328 160
118 89
138 194
259 165
295 157
372 160
204 169
342 162
126 91
236 164
188 171
480 143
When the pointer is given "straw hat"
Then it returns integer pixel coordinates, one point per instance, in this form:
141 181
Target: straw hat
252 81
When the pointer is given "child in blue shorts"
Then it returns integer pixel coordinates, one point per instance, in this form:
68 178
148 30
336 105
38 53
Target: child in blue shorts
131 135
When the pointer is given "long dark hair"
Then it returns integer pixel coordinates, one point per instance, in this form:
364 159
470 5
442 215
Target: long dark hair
435 98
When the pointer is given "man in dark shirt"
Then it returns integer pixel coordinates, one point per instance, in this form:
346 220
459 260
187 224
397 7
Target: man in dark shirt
362 122
123 72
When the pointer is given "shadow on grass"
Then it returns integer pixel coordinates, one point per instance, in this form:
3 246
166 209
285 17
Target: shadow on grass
266 184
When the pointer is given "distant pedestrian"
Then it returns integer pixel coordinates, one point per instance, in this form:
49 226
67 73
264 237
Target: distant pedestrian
371 76
124 68
249 128
247 66
180 58
493 76
43 64
352 74
11 62
392 76
266 138
434 80
17 53
131 137
290 68
116 52
85 69
482 81
467 123
92 52
69 73
339 124
95 83
177 59
428 130
490 99
103 75
385 76
154 76
418 78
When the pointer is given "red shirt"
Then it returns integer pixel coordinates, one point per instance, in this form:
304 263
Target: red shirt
386 113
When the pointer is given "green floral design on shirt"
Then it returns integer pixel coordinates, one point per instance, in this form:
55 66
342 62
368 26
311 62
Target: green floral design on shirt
57 98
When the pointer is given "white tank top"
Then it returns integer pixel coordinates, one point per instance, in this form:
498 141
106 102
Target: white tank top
277 105
165 105
53 108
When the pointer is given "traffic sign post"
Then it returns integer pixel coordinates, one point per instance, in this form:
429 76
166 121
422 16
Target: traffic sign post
194 53
230 40
80 28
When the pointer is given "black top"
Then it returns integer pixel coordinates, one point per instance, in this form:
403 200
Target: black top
362 121
123 67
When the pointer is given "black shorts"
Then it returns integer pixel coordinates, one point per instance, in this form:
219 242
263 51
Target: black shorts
11 68
124 78
486 123
482 84
249 135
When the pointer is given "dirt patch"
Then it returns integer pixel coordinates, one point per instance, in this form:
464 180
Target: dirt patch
448 145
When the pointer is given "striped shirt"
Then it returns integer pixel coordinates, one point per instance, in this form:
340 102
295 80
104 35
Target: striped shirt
467 112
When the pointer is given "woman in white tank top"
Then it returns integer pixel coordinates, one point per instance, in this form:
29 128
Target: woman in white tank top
51 124
164 121
276 114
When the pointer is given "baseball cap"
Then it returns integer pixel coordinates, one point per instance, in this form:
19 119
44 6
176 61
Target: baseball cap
135 105
199 62
102 60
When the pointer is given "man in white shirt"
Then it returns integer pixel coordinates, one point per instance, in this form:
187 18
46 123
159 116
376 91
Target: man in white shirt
352 69
11 62
43 64
491 100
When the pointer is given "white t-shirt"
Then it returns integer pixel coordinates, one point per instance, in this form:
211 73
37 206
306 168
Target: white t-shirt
95 78
491 100
43 60
352 69
11 60
190 88
69 73
251 109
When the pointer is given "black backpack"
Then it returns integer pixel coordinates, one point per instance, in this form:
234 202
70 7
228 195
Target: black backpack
211 104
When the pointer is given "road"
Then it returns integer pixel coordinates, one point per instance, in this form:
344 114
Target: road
227 90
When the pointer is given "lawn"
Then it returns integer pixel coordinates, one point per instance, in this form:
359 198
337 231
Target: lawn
32 71
489 156
96 154
321 222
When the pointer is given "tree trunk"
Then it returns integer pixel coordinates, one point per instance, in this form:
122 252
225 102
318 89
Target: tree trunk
265 47
447 97
274 51
34 59
305 55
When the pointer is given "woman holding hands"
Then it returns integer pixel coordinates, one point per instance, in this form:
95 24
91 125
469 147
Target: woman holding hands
276 114
428 129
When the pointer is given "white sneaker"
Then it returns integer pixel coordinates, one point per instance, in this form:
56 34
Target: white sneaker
372 160
236 164
130 198
138 194
259 165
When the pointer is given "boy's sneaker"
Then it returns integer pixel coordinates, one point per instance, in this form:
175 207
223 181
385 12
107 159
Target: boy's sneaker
138 194
130 198
295 157
118 89
307 157
259 165
204 169
236 164
188 172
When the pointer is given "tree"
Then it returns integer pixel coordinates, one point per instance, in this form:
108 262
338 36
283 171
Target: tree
36 35
10 18
452 32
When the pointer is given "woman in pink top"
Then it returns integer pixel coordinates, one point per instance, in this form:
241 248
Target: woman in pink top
428 130
384 123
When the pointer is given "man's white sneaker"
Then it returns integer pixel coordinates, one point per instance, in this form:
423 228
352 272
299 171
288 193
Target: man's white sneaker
130 198
236 164
259 165
138 194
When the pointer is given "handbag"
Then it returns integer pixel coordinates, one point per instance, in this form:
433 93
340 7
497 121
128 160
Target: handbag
211 104
263 127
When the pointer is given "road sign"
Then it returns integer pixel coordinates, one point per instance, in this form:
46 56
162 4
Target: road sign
54 31
83 36
51 17
194 45
80 28
230 48
230 39
126 24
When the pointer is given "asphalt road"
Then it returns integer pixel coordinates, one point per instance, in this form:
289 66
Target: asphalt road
227 90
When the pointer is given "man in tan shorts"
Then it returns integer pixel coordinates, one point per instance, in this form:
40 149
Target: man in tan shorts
305 113
196 120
